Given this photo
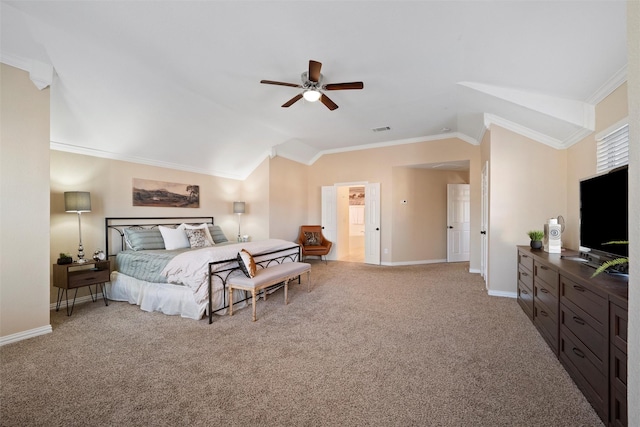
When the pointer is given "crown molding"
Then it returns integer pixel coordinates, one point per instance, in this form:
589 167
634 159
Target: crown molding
609 86
491 119
40 73
416 140
58 146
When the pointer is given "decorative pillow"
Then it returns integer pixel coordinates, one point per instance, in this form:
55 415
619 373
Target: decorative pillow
138 239
312 238
246 263
197 238
202 226
174 238
217 234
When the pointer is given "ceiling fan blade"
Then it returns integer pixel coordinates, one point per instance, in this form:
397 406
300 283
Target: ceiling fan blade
290 102
343 86
328 103
314 70
271 82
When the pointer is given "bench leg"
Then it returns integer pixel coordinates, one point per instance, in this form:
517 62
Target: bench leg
230 301
286 292
253 304
308 281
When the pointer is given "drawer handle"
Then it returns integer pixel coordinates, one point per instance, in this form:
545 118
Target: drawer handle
524 256
523 273
578 288
544 267
544 313
578 353
578 320
523 291
544 291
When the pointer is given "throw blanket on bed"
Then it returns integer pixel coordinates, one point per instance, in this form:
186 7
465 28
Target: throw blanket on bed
192 268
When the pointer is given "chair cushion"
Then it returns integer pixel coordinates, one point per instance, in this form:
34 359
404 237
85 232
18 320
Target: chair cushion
312 238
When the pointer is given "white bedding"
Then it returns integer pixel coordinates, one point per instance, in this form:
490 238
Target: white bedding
164 297
186 294
191 268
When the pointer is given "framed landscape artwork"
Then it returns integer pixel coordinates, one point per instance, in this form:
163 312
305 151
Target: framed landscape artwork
165 194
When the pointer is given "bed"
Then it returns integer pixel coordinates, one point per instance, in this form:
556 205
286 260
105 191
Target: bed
154 268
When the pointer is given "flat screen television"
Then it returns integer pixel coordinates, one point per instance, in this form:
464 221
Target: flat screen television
604 214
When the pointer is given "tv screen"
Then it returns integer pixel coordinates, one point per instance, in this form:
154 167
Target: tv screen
604 212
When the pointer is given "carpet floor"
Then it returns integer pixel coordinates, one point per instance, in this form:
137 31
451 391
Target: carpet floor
416 345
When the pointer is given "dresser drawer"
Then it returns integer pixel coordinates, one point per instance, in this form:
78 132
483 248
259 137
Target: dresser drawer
618 326
619 408
618 368
548 275
578 361
84 277
548 298
525 261
586 330
525 299
547 323
585 299
525 276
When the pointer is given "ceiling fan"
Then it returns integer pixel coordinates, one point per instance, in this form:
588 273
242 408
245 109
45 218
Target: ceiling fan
312 87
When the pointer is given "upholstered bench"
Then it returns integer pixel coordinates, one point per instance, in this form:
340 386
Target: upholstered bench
268 277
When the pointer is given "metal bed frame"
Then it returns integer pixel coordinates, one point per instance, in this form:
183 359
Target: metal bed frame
263 260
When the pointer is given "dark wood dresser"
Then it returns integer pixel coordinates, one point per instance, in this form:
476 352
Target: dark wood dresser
584 321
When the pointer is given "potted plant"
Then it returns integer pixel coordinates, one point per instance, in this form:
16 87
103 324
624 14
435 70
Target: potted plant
64 259
536 238
618 261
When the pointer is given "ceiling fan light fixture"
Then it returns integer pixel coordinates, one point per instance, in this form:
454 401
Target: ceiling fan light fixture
311 95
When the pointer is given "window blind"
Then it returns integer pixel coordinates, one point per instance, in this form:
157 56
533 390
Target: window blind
613 149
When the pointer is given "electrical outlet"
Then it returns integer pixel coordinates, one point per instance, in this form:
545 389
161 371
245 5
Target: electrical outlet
386 251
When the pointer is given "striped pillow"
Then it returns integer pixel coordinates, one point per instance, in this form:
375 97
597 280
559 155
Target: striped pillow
138 239
217 234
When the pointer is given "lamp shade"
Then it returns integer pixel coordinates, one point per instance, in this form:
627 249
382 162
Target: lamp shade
77 201
238 207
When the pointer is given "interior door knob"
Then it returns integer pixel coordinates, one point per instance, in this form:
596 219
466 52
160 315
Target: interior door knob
450 226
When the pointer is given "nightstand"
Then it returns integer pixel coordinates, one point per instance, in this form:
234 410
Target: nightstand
74 276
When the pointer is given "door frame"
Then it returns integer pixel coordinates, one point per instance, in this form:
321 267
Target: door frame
329 219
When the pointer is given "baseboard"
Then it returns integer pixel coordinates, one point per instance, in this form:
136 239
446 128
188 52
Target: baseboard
503 294
79 300
43 330
428 261
475 271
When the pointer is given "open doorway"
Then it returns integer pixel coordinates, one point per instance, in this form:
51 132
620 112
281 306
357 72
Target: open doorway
351 223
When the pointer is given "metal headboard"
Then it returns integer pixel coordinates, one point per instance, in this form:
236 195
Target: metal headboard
113 225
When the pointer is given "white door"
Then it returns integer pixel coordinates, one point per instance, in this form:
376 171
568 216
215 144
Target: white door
372 223
459 222
484 224
330 218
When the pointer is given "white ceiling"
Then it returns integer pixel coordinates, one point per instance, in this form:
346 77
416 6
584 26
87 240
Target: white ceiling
176 83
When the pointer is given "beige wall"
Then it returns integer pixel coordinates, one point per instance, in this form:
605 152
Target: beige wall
633 363
528 186
110 183
376 165
24 205
423 220
288 198
255 194
581 160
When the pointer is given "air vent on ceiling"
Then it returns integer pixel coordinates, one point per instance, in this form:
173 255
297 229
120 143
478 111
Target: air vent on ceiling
382 129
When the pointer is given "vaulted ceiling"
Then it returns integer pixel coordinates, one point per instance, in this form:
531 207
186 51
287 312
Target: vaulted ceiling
177 83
